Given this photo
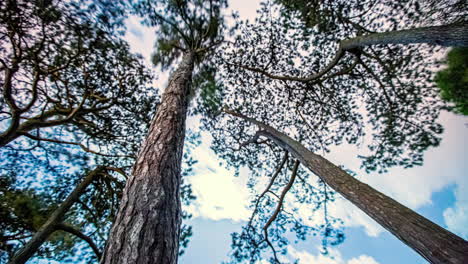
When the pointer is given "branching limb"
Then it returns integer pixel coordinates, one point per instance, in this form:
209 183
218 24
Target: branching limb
74 143
78 233
339 54
283 194
267 189
253 140
34 90
278 208
118 170
31 247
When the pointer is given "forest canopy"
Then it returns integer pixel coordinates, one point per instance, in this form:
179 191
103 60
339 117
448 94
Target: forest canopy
96 156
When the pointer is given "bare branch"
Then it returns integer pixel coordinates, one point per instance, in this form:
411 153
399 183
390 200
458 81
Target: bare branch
73 143
339 54
34 89
283 194
78 233
267 189
278 208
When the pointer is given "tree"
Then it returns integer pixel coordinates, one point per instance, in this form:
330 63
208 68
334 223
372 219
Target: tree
283 74
90 206
431 241
147 226
453 81
91 92
327 15
55 221
63 71
36 217
73 96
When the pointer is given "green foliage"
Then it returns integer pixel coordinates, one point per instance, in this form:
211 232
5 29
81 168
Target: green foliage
182 26
453 81
384 92
379 98
328 16
313 13
74 49
80 65
210 92
21 209
22 212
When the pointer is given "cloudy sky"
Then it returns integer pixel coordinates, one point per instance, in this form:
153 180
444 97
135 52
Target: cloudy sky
438 190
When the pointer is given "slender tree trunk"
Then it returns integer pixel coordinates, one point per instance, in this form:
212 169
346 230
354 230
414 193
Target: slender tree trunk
28 250
146 229
451 35
432 242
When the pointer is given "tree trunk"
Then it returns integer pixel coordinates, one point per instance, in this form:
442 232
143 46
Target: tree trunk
447 35
28 250
146 229
431 241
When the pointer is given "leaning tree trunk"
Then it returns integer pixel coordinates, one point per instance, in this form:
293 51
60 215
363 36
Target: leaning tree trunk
432 242
52 223
451 35
146 229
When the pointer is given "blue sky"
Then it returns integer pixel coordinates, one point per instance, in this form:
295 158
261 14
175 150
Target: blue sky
438 190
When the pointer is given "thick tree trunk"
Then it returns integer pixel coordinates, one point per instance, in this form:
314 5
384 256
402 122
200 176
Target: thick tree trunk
146 229
431 241
447 35
50 226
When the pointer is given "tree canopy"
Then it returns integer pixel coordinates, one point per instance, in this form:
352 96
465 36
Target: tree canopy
72 96
75 100
453 81
293 76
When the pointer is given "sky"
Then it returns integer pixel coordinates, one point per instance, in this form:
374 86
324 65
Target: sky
438 190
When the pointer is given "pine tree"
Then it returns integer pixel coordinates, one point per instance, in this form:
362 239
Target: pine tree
147 227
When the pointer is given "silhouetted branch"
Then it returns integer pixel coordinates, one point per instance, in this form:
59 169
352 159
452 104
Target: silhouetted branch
78 233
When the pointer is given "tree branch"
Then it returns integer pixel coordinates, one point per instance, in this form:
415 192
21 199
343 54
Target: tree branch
339 54
28 250
78 233
283 194
278 208
267 189
73 143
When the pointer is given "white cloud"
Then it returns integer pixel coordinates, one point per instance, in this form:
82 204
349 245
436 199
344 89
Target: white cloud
456 217
247 8
140 38
334 257
220 195
354 217
443 166
363 259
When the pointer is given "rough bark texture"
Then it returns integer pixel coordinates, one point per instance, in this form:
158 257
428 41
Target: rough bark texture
447 35
431 241
28 250
146 229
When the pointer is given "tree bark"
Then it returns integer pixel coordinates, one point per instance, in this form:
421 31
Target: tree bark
28 250
432 242
146 229
451 35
